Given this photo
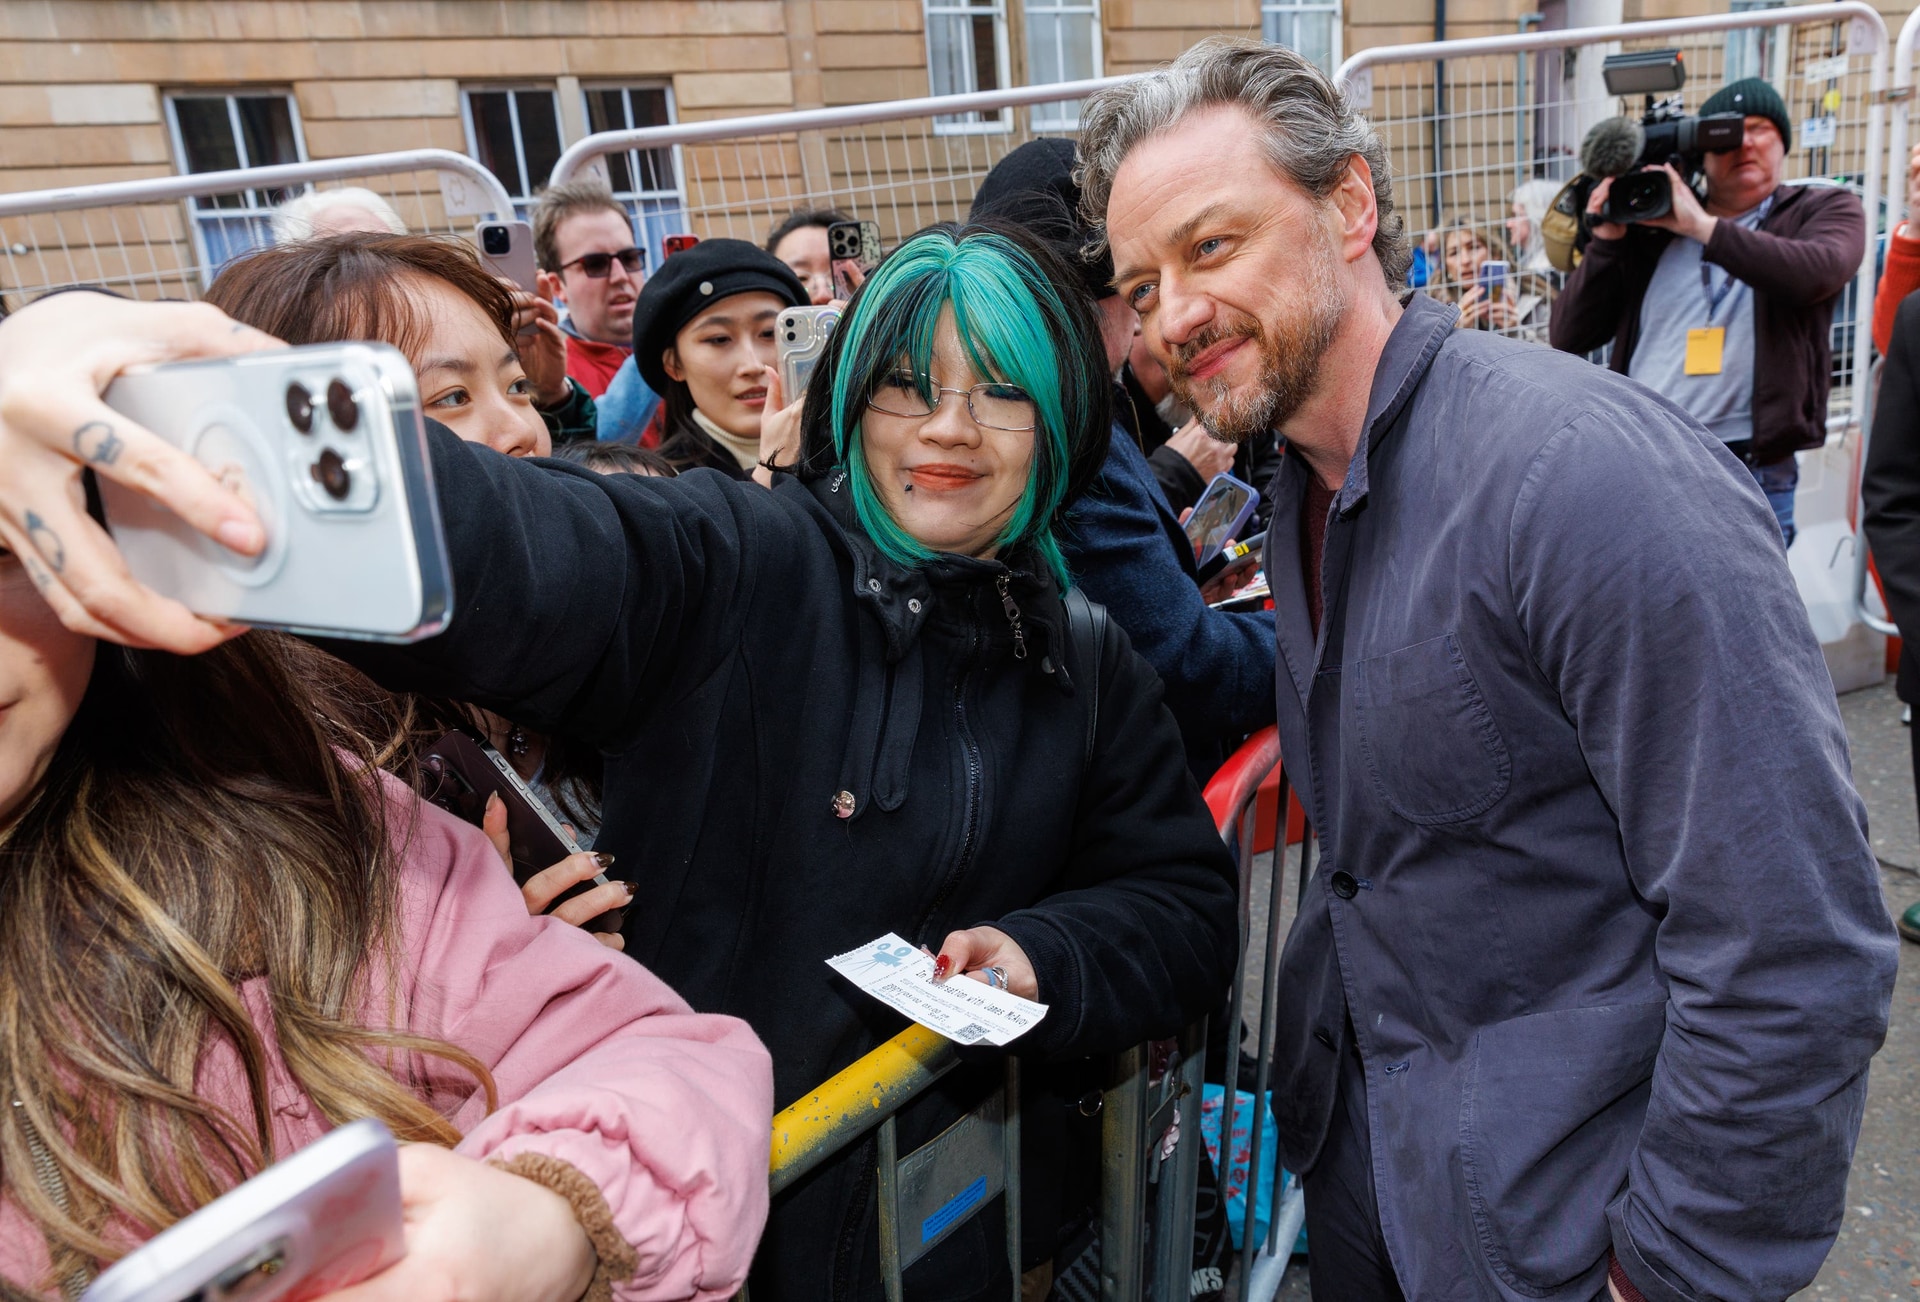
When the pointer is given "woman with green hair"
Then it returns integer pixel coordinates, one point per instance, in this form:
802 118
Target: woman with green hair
853 705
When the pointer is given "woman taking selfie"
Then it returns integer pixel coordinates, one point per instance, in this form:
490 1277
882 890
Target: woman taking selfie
472 343
703 339
224 932
851 705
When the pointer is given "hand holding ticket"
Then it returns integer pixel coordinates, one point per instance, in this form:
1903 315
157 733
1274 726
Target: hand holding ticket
967 1012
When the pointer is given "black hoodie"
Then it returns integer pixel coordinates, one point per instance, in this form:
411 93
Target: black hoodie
740 657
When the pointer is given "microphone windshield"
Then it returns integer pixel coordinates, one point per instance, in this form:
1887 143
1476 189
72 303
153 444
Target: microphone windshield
1612 147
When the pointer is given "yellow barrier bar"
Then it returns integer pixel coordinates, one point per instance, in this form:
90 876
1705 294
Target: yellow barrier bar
856 1100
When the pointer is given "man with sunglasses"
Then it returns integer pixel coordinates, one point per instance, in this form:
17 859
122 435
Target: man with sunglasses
590 263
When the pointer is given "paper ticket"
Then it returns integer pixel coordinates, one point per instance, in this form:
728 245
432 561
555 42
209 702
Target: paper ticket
960 1008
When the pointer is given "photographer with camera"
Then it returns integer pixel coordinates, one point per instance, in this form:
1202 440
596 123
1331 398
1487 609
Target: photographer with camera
1725 307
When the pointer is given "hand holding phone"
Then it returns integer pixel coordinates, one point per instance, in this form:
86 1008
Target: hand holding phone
324 1219
800 342
506 250
459 772
1219 515
326 443
854 248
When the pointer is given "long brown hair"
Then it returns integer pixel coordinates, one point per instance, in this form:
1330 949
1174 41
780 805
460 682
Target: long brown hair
352 286
205 821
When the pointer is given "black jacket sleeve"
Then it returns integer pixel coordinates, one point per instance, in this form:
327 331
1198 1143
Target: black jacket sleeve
1590 304
1140 937
1808 266
1179 482
581 599
1890 486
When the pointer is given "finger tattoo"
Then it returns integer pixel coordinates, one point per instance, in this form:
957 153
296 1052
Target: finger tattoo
42 536
96 441
41 579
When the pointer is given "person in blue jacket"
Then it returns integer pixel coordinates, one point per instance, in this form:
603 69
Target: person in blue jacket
1122 542
1582 994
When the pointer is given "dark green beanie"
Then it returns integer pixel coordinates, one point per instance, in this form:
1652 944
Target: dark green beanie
1752 97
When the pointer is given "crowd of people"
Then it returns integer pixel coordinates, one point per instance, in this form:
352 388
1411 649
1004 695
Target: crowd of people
1581 995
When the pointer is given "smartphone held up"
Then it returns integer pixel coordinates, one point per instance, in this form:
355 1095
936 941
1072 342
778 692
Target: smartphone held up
327 444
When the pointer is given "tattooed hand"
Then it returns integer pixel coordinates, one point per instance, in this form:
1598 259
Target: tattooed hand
56 358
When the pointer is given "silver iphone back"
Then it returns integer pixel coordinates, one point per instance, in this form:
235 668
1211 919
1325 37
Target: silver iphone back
801 342
327 443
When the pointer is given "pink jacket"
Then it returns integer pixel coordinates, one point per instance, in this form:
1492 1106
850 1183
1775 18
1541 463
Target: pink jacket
596 1062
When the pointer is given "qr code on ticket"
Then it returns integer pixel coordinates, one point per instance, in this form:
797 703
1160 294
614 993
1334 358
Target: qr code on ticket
971 1033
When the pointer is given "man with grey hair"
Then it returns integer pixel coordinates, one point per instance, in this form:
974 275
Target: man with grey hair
1581 998
319 213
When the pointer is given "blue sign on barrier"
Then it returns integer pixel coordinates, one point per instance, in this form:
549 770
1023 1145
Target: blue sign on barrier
954 1208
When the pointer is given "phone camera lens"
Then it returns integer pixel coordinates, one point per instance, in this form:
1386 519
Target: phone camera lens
330 472
300 408
496 240
791 336
341 406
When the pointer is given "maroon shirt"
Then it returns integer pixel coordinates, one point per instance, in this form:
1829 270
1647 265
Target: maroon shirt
1313 542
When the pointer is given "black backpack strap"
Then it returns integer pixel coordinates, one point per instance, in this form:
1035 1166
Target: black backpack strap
1087 626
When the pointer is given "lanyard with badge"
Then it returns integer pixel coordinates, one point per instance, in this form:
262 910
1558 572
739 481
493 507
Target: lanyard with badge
1707 344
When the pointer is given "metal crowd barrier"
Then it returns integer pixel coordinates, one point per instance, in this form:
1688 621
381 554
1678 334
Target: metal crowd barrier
902 163
166 236
1468 122
1148 1194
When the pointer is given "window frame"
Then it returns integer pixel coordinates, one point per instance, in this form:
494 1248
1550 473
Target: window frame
1771 48
198 218
1061 9
522 204
637 201
1336 43
970 124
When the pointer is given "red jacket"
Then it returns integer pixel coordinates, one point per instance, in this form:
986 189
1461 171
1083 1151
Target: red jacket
593 363
1899 278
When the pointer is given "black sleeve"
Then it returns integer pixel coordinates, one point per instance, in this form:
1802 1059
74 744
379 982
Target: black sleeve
1141 938
1179 482
579 598
1890 485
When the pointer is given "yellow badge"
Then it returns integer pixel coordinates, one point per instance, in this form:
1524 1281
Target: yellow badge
1703 350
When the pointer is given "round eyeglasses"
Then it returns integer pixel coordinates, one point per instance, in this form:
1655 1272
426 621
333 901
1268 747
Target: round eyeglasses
992 405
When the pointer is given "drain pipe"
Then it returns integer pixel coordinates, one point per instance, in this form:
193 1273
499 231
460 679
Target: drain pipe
1523 155
1439 108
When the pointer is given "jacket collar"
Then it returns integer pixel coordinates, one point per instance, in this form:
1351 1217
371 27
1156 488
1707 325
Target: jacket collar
1424 325
901 597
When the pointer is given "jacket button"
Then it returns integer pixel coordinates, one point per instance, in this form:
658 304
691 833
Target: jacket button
1344 885
1325 1037
873 585
843 804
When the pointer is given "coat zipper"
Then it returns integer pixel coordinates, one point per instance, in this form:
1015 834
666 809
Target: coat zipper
47 1174
1008 604
970 819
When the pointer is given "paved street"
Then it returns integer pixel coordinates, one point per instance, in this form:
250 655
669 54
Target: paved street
1877 1256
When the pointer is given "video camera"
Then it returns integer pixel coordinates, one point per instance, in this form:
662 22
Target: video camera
1621 148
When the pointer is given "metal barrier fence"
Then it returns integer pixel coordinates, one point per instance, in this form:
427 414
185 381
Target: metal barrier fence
1152 1100
1469 124
164 237
904 164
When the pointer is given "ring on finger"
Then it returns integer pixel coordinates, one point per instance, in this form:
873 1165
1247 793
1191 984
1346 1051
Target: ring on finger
997 978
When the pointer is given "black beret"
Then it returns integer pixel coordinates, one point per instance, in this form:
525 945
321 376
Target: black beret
1032 187
689 282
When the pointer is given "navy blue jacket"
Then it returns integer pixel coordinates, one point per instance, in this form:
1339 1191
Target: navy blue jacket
1596 903
1129 553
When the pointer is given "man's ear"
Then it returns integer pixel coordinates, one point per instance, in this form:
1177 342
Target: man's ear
670 363
1359 212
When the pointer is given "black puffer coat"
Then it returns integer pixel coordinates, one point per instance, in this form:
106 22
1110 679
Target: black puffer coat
740 656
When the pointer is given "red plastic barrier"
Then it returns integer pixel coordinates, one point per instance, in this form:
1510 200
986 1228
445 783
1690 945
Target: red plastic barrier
1254 771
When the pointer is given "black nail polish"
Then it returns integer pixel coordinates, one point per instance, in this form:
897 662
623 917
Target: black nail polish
604 859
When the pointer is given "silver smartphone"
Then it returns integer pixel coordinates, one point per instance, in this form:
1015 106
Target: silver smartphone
327 444
801 341
507 250
325 1218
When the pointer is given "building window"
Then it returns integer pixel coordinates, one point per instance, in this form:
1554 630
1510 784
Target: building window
1312 29
966 52
515 133
1757 51
647 181
220 133
1063 44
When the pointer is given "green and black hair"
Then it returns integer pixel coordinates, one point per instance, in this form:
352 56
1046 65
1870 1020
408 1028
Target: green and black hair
1023 320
